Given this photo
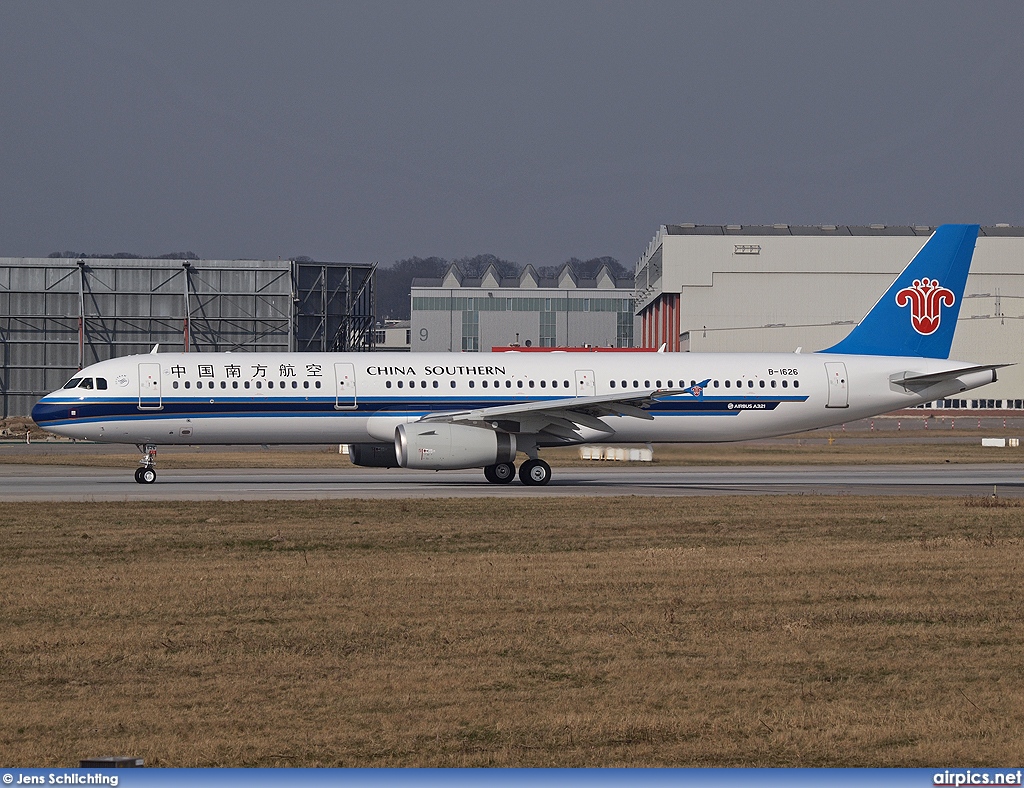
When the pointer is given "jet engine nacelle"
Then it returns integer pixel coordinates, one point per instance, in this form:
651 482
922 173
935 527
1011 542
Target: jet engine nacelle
373 455
440 446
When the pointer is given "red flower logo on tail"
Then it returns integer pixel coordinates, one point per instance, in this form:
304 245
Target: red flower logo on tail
925 297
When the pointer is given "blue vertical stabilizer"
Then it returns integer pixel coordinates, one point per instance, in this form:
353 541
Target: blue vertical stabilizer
917 315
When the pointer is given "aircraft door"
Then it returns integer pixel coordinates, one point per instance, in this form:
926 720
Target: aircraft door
585 385
150 395
345 387
838 392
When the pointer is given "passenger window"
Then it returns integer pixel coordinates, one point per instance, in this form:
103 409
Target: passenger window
318 384
508 384
188 385
73 383
471 384
714 383
636 384
453 384
174 385
484 384
423 384
234 384
436 384
623 384
259 384
750 384
728 383
785 384
387 384
400 384
519 383
305 384
773 384
611 384
270 384
531 384
796 384
543 384
657 383
223 384
760 383
247 384
647 384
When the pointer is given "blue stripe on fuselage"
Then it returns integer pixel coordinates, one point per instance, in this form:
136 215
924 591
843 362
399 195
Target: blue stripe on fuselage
56 413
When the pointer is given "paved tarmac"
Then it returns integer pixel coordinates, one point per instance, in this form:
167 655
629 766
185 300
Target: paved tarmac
70 483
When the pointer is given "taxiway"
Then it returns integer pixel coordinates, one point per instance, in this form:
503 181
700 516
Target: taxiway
22 482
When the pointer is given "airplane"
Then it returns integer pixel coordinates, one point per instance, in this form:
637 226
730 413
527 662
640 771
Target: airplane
448 411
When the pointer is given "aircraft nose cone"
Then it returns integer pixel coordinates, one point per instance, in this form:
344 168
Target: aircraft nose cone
42 412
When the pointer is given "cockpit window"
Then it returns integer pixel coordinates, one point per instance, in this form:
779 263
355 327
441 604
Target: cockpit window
85 384
101 384
73 383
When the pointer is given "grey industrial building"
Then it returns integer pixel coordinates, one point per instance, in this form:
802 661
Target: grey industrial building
459 313
729 288
60 314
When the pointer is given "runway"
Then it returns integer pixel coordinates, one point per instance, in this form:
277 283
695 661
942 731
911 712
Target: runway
70 483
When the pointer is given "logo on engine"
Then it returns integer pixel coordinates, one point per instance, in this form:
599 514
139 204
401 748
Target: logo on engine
925 297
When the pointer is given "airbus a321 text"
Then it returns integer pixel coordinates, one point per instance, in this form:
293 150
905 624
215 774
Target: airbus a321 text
438 411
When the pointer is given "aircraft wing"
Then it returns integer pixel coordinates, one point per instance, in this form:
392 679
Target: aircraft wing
560 417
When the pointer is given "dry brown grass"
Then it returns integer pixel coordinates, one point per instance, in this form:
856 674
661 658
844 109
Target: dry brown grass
797 631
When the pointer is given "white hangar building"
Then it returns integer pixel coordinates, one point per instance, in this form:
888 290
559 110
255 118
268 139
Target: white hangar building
728 288
472 314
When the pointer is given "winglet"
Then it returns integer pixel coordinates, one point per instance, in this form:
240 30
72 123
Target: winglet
917 315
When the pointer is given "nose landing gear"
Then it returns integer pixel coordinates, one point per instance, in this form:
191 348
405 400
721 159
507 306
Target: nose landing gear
147 473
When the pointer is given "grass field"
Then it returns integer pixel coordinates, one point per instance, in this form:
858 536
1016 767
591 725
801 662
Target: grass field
789 631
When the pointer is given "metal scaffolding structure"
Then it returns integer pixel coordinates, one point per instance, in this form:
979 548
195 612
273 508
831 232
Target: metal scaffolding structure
334 307
58 315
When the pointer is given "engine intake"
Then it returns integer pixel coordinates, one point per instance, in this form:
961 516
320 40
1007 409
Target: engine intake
441 446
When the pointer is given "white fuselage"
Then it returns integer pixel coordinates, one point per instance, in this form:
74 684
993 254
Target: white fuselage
264 398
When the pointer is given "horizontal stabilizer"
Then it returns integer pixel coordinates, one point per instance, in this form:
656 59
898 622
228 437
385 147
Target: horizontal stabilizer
910 380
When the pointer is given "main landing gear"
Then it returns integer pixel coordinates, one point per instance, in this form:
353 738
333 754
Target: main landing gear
534 473
531 473
502 473
147 473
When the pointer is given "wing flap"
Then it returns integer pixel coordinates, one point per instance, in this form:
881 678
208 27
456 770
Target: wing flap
568 413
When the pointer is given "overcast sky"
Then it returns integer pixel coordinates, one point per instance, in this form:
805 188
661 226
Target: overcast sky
535 131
